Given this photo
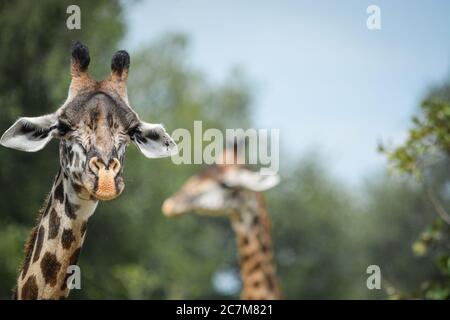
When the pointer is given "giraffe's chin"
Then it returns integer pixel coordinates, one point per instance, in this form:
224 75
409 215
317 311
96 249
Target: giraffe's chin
103 196
107 191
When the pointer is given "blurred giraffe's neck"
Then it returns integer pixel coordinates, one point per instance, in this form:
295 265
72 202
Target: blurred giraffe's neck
55 243
258 271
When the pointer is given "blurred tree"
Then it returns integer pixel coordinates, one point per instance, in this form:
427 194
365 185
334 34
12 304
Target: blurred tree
310 211
425 154
395 211
325 235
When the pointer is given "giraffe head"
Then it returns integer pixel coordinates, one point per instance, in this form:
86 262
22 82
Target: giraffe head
219 189
94 125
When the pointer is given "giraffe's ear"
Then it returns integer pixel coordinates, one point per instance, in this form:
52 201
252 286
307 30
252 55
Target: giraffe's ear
154 141
30 134
254 181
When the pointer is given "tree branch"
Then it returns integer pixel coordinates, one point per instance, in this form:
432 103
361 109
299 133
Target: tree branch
437 204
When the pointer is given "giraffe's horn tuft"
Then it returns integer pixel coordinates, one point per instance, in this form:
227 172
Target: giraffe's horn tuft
80 58
120 63
79 69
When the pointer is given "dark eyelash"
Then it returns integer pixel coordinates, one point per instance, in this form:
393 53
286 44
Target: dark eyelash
133 131
63 128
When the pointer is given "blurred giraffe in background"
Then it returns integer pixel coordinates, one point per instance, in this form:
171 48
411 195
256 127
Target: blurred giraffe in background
94 126
232 190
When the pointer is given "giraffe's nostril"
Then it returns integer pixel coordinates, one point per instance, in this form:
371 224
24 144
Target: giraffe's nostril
96 164
115 165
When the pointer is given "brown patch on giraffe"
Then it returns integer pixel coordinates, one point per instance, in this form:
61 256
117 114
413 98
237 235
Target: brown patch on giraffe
74 257
244 241
30 289
67 238
270 281
39 242
72 261
264 216
29 246
83 228
246 257
255 267
59 192
70 209
77 188
64 283
53 225
50 268
255 221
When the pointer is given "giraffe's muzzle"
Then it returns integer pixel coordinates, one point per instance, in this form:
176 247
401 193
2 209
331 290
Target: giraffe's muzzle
106 187
174 207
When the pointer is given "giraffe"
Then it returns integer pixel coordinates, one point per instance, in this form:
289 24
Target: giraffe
234 191
94 126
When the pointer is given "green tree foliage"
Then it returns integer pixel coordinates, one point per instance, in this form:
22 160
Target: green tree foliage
312 214
425 154
325 234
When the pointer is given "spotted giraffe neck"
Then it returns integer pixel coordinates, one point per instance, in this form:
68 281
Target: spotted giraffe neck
55 243
258 271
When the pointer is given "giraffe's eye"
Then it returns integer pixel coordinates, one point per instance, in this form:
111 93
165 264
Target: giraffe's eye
132 132
225 185
63 128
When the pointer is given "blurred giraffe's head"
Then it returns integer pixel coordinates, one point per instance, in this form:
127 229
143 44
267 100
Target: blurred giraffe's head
219 189
94 126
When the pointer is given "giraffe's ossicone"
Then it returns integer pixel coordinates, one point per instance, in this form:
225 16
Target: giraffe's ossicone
94 126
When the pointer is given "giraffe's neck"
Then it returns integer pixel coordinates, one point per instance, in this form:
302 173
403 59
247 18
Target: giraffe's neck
258 270
54 243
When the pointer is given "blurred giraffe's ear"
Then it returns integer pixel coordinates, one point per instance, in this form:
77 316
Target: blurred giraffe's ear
30 134
154 141
254 181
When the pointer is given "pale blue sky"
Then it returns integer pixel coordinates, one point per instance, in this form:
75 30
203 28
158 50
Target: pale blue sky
322 77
